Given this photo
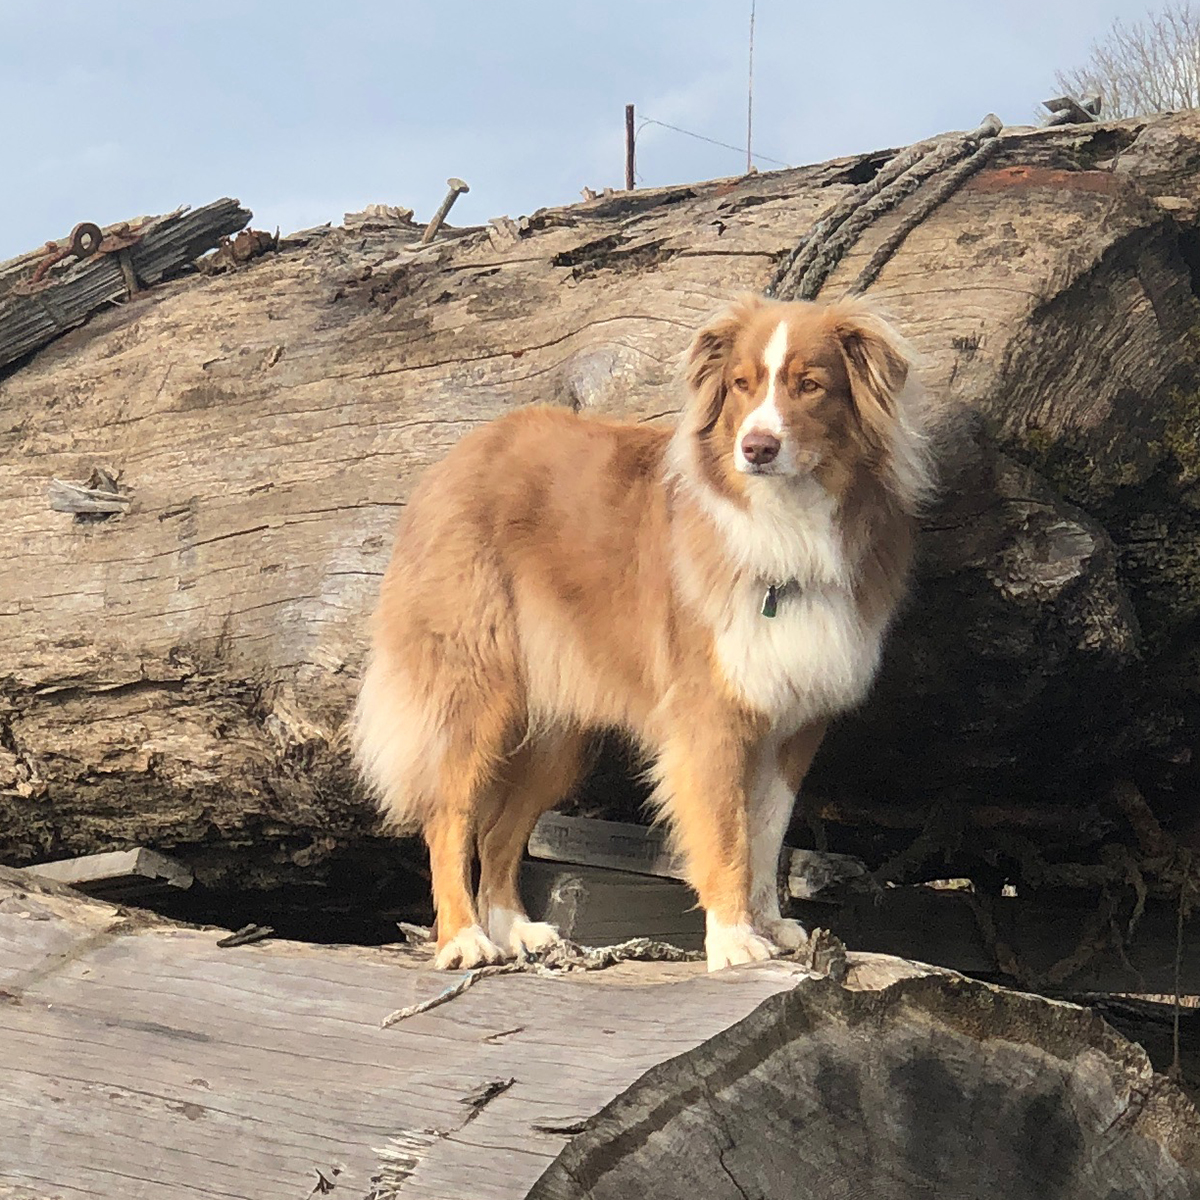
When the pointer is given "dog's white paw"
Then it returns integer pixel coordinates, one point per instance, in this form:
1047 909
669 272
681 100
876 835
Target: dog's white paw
783 931
515 933
468 948
732 945
532 937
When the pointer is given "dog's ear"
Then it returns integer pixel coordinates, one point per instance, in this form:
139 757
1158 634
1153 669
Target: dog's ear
891 412
877 361
705 360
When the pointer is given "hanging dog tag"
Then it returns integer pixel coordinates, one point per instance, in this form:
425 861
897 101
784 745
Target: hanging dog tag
770 604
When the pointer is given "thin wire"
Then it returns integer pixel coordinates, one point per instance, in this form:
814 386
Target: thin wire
1175 1071
750 97
713 141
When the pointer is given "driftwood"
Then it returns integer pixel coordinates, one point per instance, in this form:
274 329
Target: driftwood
138 1059
43 295
931 1087
176 674
119 875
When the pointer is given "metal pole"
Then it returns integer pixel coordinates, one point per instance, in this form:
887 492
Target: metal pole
750 97
629 147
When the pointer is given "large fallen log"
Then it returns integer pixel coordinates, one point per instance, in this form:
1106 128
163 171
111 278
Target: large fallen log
139 1059
176 674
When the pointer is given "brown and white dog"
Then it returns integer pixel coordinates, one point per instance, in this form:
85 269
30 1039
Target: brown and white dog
718 592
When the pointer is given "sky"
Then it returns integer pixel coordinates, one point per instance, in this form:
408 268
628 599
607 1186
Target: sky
310 109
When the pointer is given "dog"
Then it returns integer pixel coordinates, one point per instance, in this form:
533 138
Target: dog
719 592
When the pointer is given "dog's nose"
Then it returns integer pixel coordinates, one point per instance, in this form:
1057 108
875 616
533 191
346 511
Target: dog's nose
760 447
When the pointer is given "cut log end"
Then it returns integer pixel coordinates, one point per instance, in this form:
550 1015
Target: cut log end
933 1086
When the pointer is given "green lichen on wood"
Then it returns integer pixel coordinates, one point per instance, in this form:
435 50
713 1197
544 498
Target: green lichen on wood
1086 476
1181 433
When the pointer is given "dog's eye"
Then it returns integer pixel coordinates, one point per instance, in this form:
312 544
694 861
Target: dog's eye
742 383
809 386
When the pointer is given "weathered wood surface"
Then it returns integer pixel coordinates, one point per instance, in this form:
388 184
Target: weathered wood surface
617 845
933 1087
600 907
34 313
139 1060
178 675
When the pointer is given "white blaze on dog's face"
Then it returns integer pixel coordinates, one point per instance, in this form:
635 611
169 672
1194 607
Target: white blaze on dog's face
794 391
761 444
787 391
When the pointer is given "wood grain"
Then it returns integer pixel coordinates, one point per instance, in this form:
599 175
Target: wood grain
931 1087
139 1060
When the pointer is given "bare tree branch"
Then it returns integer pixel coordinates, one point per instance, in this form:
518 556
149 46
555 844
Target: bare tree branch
1148 66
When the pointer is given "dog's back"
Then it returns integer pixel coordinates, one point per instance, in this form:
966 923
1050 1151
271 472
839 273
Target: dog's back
502 604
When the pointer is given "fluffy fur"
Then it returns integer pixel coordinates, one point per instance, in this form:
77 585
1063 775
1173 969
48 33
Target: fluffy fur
556 574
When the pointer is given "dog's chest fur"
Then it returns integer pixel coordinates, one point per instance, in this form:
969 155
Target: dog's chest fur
818 655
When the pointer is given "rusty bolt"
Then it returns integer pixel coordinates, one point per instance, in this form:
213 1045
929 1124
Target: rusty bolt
457 187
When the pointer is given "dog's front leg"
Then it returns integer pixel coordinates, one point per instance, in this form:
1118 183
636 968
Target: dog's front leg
779 770
703 776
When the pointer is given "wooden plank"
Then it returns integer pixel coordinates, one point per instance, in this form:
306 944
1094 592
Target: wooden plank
644 850
124 873
619 845
598 907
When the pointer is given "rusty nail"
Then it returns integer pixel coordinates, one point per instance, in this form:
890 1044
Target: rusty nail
457 187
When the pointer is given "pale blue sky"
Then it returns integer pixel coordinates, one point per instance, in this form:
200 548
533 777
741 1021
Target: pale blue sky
310 109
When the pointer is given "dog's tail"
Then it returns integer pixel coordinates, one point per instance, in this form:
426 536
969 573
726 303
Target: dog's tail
396 744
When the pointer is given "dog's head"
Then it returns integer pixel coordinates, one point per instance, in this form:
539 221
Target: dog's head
790 390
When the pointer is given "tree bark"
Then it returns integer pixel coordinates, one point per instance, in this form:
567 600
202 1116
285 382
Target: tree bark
178 674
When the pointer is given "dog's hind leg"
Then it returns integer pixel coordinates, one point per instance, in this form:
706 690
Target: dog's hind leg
537 777
467 779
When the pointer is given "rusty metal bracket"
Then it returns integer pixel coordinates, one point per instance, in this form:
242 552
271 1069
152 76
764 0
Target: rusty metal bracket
84 241
87 240
119 242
